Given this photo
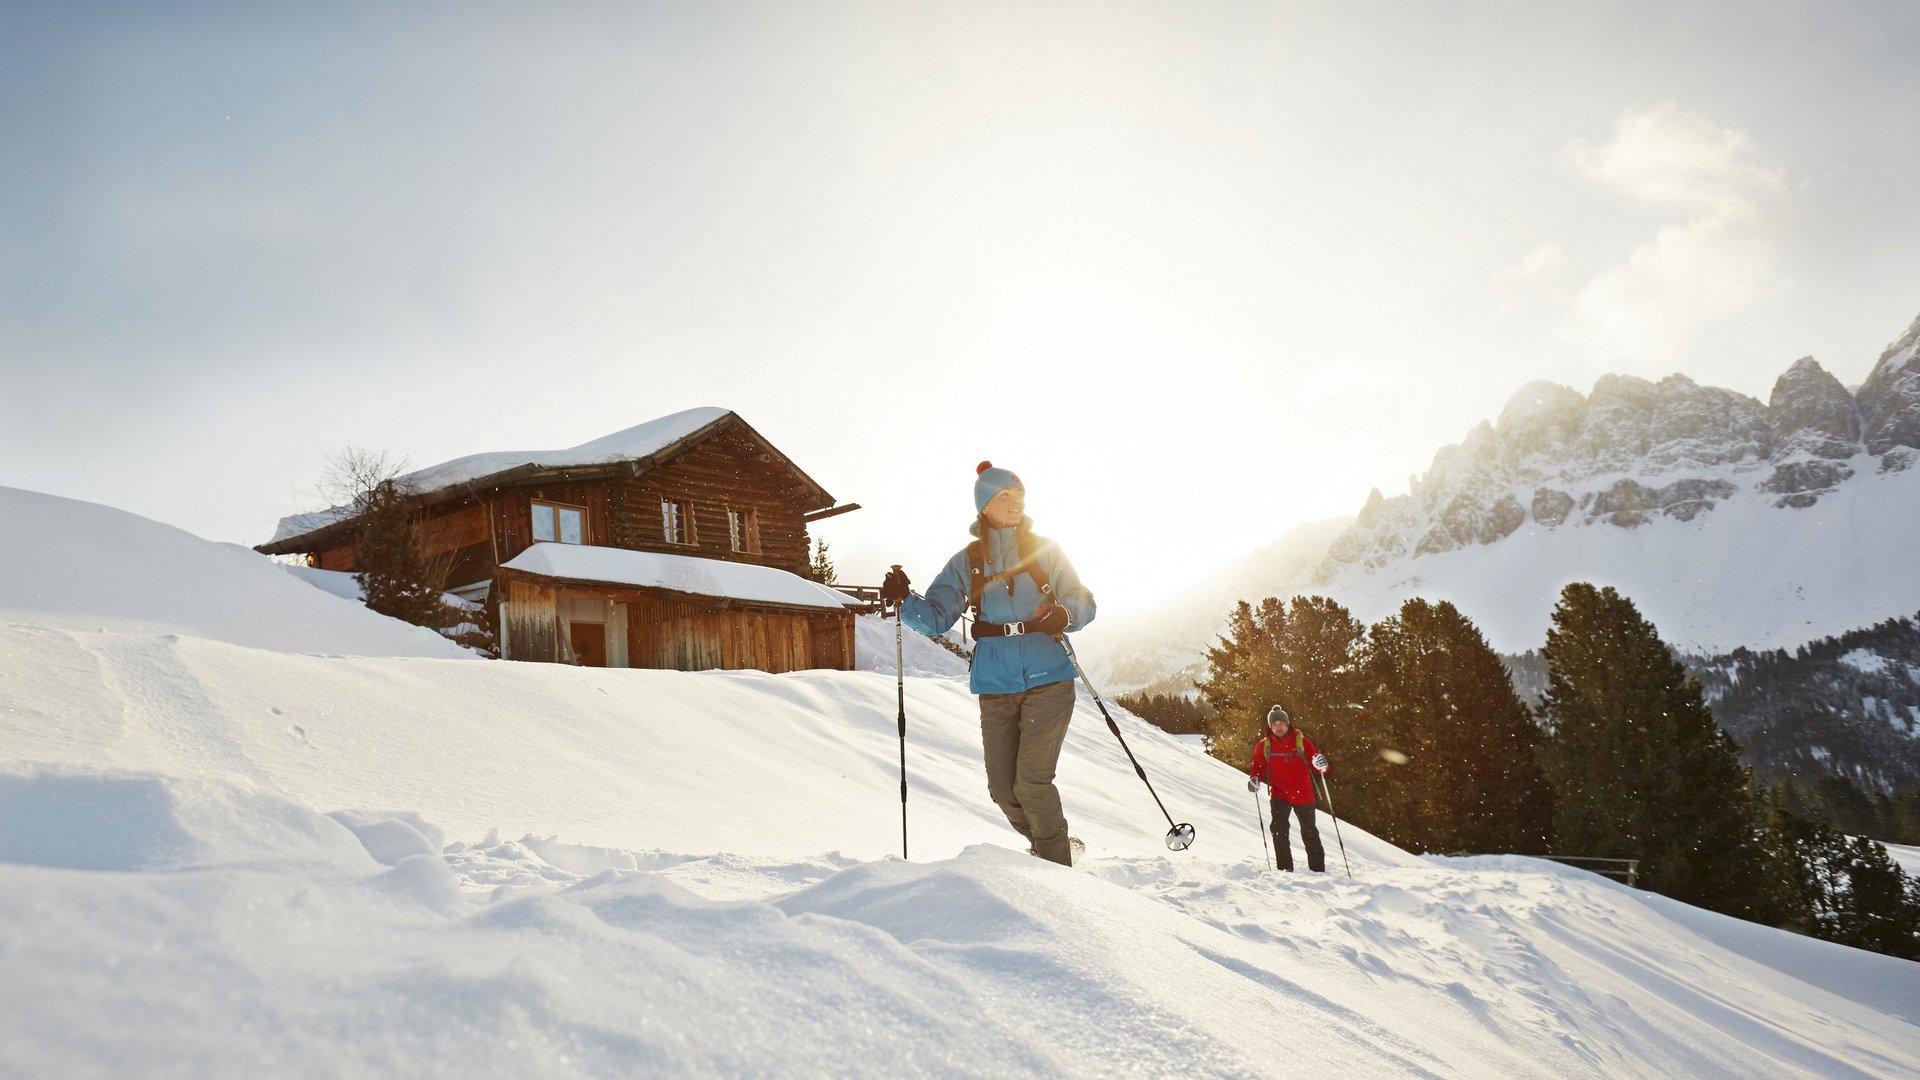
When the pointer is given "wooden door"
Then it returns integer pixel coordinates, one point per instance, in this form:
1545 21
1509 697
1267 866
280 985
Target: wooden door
589 643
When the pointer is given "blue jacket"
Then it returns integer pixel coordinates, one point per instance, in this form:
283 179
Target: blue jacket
1005 665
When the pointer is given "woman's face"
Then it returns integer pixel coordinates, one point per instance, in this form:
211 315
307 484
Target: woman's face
1007 507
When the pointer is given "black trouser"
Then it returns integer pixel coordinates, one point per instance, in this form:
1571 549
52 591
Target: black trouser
1309 836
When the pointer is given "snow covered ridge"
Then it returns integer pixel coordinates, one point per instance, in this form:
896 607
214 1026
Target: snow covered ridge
362 951
1634 451
78 566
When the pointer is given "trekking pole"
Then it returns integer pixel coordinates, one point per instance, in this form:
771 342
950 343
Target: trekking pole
900 681
1266 858
1180 837
1336 824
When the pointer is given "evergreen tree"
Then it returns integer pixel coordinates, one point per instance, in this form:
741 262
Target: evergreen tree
821 569
1637 765
1175 714
1305 656
1847 889
1884 909
1455 767
390 562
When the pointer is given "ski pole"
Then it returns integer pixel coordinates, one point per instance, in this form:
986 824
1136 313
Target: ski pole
1179 837
1266 858
1336 824
900 681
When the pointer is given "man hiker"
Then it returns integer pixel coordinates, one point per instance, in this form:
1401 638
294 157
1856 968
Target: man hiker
893 590
1286 761
1023 594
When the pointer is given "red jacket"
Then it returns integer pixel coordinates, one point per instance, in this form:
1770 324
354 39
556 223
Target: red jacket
1284 766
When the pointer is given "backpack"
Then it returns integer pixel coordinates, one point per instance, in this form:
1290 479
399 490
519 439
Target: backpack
1299 746
978 579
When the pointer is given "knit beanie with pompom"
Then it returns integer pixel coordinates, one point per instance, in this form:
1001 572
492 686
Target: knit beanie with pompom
991 481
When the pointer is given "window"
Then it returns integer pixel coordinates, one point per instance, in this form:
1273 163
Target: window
676 521
743 532
558 523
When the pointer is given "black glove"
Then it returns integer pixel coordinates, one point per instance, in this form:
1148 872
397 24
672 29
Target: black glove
1252 784
1050 619
895 588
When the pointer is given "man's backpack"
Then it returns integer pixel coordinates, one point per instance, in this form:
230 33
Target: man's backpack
1299 746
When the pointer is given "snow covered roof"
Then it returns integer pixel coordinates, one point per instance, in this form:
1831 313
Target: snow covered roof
487 469
635 442
680 573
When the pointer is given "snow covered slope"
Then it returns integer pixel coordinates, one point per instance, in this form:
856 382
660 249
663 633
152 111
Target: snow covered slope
82 566
220 859
1747 574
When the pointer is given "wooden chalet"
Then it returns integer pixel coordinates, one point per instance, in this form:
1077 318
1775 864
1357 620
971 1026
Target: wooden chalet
681 543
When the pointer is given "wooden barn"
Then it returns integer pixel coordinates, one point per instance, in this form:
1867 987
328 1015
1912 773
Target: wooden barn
681 543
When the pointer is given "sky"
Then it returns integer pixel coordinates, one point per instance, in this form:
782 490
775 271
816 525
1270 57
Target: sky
1198 273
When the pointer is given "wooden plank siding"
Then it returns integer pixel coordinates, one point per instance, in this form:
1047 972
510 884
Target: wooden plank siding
665 631
677 631
531 626
461 535
728 470
449 528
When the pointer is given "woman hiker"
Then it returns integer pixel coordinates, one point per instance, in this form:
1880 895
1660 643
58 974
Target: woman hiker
1282 761
1024 595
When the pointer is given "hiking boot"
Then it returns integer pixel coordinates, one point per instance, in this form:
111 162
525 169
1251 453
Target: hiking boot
1076 850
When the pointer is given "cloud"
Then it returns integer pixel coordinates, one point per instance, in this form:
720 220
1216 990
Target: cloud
1714 260
1539 262
1530 278
1672 160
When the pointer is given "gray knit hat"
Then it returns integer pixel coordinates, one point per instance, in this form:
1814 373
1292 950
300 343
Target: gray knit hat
1278 715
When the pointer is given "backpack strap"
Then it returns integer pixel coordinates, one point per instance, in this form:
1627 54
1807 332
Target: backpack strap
1299 746
1029 547
976 574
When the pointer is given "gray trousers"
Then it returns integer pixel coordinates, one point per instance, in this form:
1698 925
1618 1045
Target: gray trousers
1022 735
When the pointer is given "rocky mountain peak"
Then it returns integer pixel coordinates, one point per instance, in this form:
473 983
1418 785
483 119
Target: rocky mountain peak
1539 422
1890 402
1634 451
1813 413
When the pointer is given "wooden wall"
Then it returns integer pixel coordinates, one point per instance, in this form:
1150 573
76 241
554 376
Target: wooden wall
512 512
666 632
457 532
454 526
531 626
727 470
460 533
677 633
